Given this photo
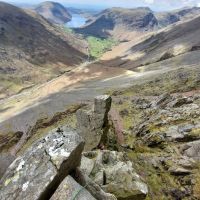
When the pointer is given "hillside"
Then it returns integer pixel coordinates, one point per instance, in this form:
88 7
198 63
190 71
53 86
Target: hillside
54 12
162 45
170 17
33 50
120 23
124 127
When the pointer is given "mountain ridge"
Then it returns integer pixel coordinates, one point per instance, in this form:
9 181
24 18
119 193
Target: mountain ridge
116 22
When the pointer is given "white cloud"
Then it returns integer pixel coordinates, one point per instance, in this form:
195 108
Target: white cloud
149 1
157 5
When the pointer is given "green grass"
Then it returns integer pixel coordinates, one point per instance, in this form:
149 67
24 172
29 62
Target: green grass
98 46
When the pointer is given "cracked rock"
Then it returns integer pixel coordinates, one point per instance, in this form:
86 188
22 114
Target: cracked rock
70 189
38 173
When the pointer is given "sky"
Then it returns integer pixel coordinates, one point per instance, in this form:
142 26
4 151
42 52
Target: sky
156 5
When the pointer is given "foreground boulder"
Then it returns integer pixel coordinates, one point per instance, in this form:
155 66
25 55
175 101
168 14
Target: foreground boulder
38 173
115 174
70 189
92 124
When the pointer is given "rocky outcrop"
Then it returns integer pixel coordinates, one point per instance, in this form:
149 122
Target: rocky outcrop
174 119
115 174
92 124
38 173
163 141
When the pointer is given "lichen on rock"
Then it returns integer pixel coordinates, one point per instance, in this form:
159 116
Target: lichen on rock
38 173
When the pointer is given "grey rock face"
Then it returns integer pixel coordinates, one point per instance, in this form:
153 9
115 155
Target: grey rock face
116 175
91 124
69 189
102 104
38 173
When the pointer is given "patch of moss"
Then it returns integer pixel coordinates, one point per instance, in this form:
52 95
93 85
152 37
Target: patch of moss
159 181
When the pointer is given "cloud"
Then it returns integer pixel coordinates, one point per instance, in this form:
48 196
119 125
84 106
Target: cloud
156 5
149 1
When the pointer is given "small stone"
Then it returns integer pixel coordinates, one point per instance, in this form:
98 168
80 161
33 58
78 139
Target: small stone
87 165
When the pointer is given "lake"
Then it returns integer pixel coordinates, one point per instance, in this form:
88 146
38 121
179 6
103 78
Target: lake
77 21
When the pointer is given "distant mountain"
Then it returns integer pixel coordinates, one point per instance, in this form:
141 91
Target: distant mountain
119 21
167 18
54 12
73 10
126 24
32 50
176 45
